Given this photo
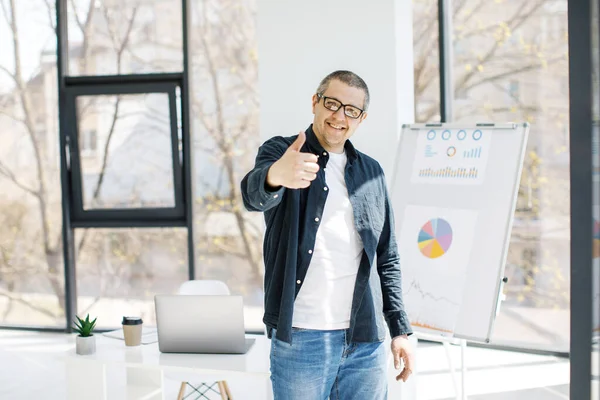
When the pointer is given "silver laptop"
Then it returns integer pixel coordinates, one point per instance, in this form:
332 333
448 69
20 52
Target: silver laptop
208 324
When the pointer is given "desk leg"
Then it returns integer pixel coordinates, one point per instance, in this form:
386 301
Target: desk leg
144 383
87 377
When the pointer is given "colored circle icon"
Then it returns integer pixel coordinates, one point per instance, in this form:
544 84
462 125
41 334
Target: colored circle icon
431 135
435 238
451 151
461 135
446 135
477 134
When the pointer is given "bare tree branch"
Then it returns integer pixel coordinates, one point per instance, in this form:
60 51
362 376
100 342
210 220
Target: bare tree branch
50 8
6 172
20 300
427 32
111 132
225 146
75 13
5 13
92 304
13 117
120 48
10 74
511 72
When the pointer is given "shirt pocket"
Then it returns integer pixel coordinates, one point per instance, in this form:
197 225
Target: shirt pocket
372 214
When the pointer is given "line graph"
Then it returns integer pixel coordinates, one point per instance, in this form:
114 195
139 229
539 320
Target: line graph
423 308
415 286
433 286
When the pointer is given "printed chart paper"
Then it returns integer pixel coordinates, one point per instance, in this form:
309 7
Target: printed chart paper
451 156
435 247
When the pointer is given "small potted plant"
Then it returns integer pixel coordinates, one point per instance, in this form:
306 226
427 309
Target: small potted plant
85 342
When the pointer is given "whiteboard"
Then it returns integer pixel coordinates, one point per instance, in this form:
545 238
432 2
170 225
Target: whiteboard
454 190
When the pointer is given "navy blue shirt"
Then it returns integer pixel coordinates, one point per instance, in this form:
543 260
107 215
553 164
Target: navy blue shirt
291 229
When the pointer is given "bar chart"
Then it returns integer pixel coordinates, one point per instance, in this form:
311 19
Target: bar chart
472 153
449 172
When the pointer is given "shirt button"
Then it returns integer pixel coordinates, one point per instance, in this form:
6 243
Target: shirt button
298 281
261 204
310 252
317 219
325 189
276 196
324 153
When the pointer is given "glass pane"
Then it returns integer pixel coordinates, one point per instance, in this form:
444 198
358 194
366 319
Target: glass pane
108 37
31 262
119 271
426 59
510 64
125 151
225 127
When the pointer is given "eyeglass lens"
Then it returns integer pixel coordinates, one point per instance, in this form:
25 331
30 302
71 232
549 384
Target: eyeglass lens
334 105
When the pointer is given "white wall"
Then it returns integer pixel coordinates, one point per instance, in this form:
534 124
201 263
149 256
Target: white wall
300 42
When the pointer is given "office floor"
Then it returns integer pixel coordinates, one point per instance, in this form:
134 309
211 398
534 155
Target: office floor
30 368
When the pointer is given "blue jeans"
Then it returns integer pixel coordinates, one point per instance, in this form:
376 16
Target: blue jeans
319 365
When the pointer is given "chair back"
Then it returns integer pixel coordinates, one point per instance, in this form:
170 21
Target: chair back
204 287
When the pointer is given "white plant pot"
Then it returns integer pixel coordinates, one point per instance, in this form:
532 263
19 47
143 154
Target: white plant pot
85 345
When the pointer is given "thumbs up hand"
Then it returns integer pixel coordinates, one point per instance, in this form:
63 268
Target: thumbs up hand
294 170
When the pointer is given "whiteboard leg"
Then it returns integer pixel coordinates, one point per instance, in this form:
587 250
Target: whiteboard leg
451 367
463 368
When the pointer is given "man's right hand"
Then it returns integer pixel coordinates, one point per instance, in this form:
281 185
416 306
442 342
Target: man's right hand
294 170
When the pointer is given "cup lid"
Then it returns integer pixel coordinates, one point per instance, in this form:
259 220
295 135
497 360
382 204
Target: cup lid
132 321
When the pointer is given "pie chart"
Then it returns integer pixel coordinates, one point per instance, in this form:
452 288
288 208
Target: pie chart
435 238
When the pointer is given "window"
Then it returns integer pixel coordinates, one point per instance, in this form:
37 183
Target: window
120 270
513 73
88 143
228 238
31 263
128 37
426 61
135 167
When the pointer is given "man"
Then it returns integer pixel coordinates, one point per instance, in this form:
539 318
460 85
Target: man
328 218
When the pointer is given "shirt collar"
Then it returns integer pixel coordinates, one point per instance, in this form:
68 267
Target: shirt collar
315 146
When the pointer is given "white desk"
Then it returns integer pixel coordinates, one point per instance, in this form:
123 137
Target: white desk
146 368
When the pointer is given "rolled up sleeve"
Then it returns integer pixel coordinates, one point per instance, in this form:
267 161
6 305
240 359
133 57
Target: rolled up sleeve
255 193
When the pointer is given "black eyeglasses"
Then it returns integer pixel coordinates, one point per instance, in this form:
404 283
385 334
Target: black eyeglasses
334 104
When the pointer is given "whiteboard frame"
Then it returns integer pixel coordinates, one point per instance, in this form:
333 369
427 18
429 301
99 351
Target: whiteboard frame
509 222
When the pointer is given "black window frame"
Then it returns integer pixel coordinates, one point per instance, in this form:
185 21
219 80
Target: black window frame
123 217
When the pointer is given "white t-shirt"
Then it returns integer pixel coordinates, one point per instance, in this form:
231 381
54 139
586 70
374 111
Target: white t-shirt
325 299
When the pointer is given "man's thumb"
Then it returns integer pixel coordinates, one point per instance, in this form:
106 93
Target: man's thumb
297 145
396 360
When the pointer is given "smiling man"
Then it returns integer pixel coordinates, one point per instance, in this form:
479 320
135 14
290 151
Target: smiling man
332 270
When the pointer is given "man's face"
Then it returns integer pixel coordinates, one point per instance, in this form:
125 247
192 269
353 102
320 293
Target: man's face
333 128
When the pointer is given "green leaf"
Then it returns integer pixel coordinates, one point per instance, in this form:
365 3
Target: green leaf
85 327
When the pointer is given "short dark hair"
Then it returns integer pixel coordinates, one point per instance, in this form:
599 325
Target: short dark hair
350 79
